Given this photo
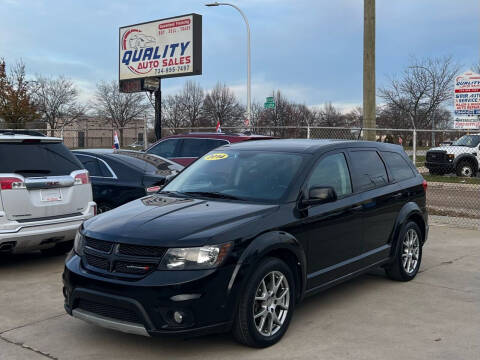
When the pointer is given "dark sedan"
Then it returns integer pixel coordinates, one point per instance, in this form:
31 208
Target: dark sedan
121 176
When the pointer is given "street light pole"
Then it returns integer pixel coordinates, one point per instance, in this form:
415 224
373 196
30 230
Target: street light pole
249 86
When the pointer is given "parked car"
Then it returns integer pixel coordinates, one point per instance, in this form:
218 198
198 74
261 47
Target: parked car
237 239
122 176
461 157
45 194
186 148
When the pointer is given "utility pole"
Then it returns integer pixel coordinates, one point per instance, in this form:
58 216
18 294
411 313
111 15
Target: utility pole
369 108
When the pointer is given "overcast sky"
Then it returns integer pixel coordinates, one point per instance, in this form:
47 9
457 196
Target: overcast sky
309 49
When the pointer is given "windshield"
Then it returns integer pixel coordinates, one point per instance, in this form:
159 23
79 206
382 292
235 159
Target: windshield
243 175
468 140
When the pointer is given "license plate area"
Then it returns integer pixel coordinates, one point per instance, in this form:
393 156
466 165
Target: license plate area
50 195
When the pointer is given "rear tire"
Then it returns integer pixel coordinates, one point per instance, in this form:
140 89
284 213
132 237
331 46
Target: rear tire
465 169
408 254
59 249
266 305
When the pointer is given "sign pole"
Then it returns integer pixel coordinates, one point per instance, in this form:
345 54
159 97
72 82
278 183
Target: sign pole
158 111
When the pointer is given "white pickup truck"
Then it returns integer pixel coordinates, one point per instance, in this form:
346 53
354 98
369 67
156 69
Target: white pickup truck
462 157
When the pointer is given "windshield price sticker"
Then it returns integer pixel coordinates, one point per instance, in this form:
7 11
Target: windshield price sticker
217 156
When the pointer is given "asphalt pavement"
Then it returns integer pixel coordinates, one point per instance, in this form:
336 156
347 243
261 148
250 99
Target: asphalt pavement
435 316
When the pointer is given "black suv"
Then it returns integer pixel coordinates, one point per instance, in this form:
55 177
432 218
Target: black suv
237 239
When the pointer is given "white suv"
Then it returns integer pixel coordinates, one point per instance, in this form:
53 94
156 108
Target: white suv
45 194
462 157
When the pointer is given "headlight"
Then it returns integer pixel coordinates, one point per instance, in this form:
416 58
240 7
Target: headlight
451 156
79 243
205 257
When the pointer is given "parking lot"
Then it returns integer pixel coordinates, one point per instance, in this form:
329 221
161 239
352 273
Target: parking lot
436 316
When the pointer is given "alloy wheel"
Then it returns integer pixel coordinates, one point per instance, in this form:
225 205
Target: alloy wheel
466 171
411 251
271 304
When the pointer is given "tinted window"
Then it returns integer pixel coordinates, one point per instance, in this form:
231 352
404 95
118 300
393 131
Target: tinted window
199 147
37 159
332 171
398 166
91 164
368 170
248 175
148 163
104 170
165 148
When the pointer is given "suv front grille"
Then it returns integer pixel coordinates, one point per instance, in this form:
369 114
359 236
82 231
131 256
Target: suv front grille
105 246
109 311
97 261
133 268
118 259
137 250
436 156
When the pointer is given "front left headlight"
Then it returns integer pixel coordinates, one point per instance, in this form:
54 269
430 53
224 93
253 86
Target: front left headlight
79 243
196 258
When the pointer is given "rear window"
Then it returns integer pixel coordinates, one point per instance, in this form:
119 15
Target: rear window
398 166
199 147
368 170
37 159
146 163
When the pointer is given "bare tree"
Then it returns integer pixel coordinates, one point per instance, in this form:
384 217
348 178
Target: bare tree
57 102
119 108
354 118
16 105
423 87
173 115
191 100
279 116
222 105
329 115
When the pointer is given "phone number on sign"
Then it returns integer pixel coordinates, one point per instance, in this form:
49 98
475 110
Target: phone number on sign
172 69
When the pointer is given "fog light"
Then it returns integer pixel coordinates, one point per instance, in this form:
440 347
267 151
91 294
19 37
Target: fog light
178 317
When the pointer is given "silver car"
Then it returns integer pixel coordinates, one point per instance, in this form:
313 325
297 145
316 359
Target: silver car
45 194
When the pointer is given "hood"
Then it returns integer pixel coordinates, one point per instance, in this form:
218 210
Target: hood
452 149
158 220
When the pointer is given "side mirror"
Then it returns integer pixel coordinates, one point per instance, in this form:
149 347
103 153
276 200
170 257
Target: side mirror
320 195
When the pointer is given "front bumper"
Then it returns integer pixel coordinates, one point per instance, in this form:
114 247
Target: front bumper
446 167
147 306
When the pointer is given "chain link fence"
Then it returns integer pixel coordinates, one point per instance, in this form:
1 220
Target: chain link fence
453 194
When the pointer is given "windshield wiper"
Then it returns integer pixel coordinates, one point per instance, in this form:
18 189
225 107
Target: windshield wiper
213 194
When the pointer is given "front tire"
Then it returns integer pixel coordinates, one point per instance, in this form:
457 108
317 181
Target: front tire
465 169
408 255
266 305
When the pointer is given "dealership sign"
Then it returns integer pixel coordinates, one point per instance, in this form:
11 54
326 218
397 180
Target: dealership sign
160 49
467 94
467 101
466 122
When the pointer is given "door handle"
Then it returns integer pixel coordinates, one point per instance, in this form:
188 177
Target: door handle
356 208
397 195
